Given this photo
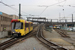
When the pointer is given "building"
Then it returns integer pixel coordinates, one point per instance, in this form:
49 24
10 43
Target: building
14 17
5 22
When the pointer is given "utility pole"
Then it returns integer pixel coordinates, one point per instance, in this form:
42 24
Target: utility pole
72 22
59 17
19 11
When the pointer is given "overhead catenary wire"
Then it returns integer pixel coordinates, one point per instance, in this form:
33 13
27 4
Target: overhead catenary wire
49 6
64 2
8 6
12 7
43 10
72 12
28 13
69 6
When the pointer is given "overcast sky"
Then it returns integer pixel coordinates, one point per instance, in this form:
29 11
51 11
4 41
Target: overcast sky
35 7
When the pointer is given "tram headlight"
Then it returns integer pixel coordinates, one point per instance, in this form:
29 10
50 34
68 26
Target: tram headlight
13 32
18 32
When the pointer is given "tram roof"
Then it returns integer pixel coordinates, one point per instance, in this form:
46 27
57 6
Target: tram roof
20 19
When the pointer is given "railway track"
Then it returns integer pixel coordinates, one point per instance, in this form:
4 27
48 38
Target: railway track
50 45
8 43
63 33
13 41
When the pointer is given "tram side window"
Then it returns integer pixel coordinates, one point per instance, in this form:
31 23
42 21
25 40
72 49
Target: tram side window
26 24
21 25
31 24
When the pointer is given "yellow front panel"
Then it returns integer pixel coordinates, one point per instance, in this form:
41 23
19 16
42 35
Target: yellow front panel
21 31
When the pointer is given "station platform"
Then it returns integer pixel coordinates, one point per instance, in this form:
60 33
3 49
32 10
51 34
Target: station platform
57 39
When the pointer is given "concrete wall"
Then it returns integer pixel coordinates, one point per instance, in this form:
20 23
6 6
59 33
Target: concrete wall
3 34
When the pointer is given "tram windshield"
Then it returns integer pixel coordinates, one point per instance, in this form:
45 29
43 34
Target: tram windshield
17 25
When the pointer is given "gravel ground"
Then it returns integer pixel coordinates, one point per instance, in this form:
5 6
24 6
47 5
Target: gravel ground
4 39
71 39
56 38
33 44
72 35
28 44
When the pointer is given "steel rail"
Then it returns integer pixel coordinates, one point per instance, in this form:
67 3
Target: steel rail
51 45
61 32
13 41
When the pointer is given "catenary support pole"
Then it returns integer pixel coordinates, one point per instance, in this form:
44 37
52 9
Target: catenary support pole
72 22
19 11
